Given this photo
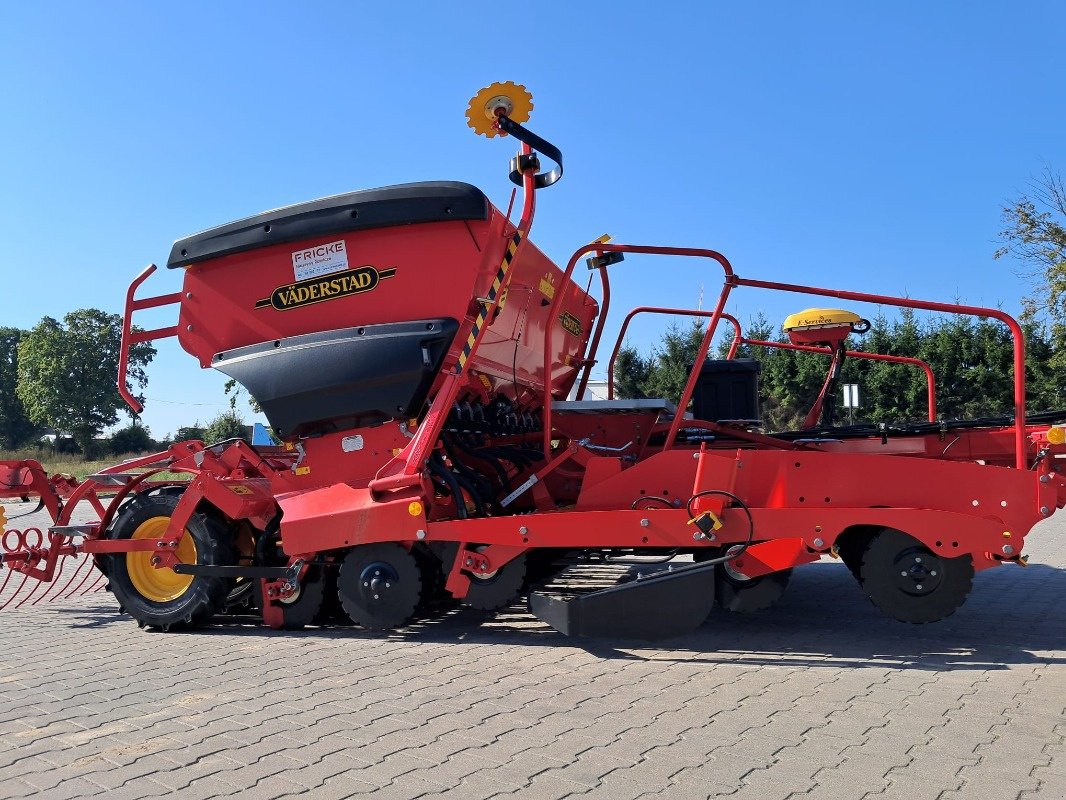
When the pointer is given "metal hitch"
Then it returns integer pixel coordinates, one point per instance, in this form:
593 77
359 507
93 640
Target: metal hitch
664 604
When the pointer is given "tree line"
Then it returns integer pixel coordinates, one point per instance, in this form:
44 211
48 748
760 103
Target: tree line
60 375
972 360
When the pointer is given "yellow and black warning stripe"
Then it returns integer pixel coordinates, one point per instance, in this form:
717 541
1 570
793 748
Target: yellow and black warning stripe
479 323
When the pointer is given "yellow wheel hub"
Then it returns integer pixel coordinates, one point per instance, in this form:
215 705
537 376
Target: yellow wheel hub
499 98
163 584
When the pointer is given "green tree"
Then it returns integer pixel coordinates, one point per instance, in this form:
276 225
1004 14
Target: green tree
16 428
66 373
227 425
1035 235
133 438
187 432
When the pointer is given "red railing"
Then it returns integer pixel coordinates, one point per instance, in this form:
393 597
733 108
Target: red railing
732 280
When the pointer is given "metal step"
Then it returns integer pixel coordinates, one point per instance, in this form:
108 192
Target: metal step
74 530
111 479
668 603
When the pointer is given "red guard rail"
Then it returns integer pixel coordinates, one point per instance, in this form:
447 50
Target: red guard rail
732 280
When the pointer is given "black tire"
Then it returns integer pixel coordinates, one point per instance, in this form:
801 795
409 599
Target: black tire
204 595
498 590
305 606
743 595
910 583
750 595
380 585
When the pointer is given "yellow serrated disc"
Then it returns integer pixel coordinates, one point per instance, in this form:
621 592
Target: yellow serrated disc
507 98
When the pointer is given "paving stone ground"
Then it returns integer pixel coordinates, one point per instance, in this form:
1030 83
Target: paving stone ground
820 697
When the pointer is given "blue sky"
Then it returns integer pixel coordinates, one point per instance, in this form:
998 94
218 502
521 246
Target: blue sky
864 146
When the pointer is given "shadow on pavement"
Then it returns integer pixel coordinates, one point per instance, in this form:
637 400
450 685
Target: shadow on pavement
1014 616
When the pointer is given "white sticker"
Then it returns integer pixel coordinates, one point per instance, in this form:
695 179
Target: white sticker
321 260
349 444
527 484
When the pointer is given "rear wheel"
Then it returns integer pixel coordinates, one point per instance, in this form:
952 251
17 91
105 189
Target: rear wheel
161 598
909 582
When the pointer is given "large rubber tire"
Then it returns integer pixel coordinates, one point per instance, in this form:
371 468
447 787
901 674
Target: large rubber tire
161 598
908 582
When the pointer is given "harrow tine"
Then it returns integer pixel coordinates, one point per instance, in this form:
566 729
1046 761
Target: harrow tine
11 598
88 572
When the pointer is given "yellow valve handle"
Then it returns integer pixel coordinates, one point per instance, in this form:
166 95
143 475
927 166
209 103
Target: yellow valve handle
507 98
716 522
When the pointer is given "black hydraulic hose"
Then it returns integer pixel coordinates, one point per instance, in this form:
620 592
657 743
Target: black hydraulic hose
494 462
747 511
476 478
475 495
436 466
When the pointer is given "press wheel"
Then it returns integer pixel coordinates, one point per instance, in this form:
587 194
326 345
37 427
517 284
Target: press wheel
380 585
736 592
498 589
909 582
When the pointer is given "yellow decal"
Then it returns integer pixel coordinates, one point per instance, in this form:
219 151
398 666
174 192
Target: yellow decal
571 323
327 287
547 286
303 470
239 489
414 508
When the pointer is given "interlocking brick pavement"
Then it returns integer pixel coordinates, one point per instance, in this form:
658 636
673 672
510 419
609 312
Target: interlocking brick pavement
821 697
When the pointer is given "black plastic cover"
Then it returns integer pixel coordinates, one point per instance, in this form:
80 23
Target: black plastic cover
404 204
340 379
727 390
660 606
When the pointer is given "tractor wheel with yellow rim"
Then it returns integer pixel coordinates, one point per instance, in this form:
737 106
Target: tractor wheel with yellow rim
160 597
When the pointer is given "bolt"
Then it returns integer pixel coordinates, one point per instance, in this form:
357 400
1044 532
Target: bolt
160 544
469 561
421 534
932 572
1003 503
711 537
188 327
918 587
818 543
904 573
1007 549
1045 478
388 585
917 559
366 583
644 523
377 573
695 455
376 597
155 561
188 295
523 530
698 535
1044 510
